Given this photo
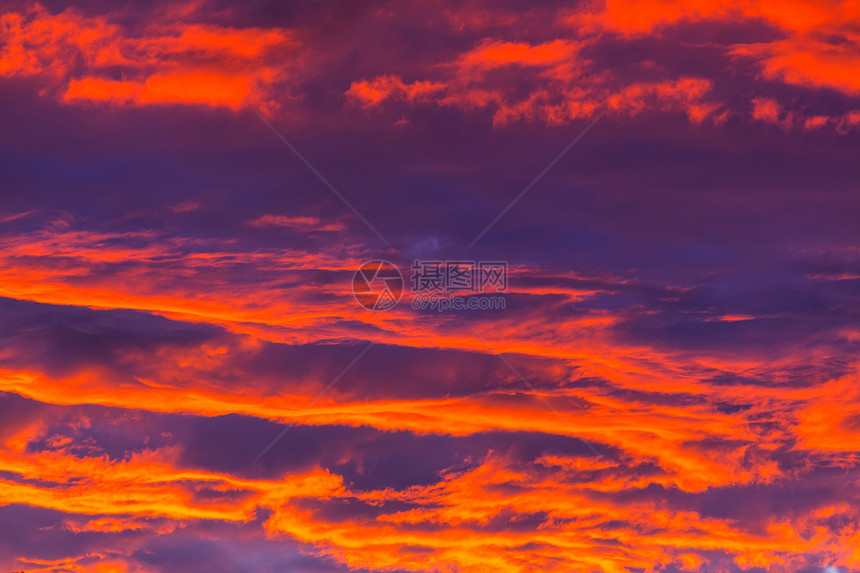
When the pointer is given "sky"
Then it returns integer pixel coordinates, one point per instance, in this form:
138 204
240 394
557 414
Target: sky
189 383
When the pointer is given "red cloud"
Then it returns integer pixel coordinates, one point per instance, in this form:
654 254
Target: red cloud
494 54
656 411
303 224
554 79
375 91
171 62
818 49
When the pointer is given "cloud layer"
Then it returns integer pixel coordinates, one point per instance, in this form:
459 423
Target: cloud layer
678 381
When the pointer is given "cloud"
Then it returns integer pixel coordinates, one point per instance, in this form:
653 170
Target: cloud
567 73
90 59
301 224
381 88
571 76
176 290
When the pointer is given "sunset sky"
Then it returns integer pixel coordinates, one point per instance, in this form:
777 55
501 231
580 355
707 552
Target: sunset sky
189 385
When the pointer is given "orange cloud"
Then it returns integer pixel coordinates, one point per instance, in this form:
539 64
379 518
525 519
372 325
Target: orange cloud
494 54
565 87
665 430
88 563
765 109
304 224
819 50
176 61
192 87
563 82
170 63
808 61
372 92
652 413
468 519
559 105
